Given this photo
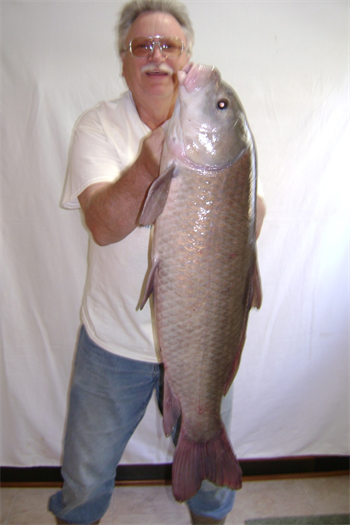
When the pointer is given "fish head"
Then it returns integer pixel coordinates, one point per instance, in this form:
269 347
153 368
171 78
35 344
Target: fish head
211 127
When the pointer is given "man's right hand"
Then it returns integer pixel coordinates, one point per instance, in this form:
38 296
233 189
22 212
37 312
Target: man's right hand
112 210
151 152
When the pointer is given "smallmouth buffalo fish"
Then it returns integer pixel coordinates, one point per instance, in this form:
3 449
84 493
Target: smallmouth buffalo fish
204 276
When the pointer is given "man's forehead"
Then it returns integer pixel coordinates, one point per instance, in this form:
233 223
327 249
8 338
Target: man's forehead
153 23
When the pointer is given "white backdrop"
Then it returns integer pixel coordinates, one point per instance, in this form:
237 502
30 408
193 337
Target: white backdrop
288 61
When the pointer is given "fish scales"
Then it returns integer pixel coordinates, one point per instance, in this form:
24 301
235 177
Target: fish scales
206 318
204 269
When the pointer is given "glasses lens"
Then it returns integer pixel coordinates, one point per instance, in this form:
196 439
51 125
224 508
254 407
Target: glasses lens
143 46
172 46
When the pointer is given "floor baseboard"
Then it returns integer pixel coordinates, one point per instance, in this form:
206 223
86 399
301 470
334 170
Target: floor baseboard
253 469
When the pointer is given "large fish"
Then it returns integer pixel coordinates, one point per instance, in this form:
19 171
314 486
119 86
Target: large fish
204 276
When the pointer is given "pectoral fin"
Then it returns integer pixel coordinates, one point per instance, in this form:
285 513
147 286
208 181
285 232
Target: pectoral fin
157 196
149 284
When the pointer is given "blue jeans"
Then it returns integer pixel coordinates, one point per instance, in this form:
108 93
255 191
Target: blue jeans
109 396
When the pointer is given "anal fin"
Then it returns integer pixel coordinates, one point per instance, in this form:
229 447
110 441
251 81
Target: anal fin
171 408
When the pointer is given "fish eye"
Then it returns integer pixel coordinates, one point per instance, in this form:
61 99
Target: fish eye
222 104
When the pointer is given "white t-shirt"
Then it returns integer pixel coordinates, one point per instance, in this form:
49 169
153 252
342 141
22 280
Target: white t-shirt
106 141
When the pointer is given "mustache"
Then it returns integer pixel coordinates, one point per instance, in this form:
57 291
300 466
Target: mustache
153 67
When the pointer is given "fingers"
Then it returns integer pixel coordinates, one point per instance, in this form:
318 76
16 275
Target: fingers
155 141
152 150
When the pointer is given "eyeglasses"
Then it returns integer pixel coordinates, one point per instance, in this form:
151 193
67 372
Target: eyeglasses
143 46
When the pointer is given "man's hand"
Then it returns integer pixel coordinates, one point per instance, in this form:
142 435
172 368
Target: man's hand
112 209
151 151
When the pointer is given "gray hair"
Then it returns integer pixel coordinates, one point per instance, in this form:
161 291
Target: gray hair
133 9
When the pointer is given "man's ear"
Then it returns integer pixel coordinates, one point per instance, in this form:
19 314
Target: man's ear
122 56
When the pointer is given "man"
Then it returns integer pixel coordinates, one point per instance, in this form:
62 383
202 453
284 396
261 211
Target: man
114 158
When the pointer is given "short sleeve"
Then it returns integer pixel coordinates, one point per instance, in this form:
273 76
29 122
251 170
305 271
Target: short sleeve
93 158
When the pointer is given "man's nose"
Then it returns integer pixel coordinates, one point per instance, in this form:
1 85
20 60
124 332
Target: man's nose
157 52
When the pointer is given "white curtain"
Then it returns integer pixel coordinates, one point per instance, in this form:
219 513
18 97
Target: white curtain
288 61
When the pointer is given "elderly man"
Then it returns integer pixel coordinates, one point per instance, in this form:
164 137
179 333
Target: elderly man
114 158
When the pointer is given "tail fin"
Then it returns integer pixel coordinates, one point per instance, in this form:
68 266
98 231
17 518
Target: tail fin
213 460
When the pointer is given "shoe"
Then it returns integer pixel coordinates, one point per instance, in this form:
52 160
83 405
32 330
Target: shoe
204 520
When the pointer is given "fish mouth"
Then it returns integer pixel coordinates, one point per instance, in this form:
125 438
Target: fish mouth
196 76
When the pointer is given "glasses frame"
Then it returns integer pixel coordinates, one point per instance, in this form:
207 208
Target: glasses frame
156 40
